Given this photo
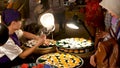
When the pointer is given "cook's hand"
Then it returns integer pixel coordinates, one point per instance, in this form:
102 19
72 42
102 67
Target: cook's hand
41 40
47 42
43 36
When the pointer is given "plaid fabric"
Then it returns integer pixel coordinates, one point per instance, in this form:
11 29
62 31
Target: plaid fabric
114 23
107 21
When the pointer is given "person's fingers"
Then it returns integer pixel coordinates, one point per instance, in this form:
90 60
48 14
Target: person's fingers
43 36
92 61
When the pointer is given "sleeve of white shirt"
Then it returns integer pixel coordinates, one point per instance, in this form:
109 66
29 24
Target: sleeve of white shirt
1 52
19 33
11 50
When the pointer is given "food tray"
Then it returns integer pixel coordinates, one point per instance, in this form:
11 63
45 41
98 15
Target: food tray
61 60
43 49
80 41
76 51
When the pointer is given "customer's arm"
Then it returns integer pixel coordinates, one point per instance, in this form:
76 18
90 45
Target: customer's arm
93 59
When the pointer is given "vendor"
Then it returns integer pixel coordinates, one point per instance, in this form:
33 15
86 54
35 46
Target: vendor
12 50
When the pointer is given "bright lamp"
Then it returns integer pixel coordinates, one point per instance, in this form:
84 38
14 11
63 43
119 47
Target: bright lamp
47 20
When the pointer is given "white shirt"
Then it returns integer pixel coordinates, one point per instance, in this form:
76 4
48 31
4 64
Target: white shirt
10 49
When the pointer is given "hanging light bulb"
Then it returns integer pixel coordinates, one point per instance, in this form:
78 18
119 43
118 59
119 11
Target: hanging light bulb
47 20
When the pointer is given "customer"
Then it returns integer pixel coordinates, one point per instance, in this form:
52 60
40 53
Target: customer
113 7
11 50
114 10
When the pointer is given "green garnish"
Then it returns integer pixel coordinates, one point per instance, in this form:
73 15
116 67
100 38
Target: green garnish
41 60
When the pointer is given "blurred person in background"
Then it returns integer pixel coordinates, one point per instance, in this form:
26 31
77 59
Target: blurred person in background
94 17
58 9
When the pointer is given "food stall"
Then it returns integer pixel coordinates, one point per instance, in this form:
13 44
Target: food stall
62 53
70 52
